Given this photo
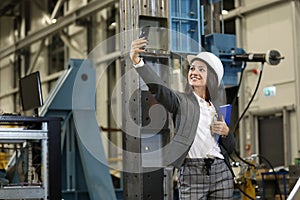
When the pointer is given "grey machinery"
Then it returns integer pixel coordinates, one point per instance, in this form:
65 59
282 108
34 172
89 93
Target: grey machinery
85 174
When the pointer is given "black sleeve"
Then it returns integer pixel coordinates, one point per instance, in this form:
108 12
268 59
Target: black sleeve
162 92
228 143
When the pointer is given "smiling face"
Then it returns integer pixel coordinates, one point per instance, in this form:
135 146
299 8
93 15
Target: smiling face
197 75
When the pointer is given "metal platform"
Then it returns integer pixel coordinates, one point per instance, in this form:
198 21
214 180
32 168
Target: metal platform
24 130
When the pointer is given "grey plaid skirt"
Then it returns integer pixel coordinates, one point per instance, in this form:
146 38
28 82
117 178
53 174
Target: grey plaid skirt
205 179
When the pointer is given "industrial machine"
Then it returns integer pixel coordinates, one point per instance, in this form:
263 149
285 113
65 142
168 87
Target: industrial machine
27 162
85 174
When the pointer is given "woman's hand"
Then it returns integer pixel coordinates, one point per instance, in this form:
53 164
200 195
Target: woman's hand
220 127
137 46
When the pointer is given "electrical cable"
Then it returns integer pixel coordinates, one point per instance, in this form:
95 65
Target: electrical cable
246 109
251 100
237 123
239 84
242 115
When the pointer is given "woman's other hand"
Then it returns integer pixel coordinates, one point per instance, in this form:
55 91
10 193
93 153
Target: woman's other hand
220 127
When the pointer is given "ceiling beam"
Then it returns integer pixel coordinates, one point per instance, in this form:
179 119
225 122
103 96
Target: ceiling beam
63 22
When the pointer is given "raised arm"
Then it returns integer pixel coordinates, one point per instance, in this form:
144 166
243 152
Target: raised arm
163 94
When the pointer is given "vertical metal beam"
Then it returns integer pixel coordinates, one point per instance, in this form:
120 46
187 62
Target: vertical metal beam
67 40
212 16
255 140
58 5
137 183
242 128
238 26
37 55
131 137
45 160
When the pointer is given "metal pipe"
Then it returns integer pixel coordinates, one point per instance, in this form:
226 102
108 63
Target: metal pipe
238 26
256 139
37 55
211 16
242 127
56 8
239 11
45 161
68 19
52 77
8 93
66 39
222 17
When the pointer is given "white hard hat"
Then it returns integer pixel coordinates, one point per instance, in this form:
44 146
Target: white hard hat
210 59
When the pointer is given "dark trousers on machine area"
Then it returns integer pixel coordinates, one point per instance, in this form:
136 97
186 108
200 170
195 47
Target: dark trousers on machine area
205 179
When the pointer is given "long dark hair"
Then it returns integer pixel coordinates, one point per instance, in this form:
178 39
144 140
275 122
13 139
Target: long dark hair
211 92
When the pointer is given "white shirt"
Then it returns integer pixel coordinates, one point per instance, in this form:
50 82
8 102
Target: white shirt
205 144
140 64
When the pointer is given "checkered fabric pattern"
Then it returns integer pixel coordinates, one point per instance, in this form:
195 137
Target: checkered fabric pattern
205 179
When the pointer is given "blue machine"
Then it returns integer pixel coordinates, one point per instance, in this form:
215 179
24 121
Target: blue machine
224 46
187 27
186 23
85 173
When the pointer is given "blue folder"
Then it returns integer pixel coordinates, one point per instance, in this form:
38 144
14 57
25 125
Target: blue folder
225 111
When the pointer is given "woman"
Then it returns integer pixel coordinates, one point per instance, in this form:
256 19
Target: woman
201 157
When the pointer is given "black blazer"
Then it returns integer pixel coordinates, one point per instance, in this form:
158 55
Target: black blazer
185 110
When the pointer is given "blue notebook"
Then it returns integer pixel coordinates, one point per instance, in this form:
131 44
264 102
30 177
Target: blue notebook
225 111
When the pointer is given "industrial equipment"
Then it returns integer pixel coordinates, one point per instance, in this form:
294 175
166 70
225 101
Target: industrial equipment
246 178
23 133
85 174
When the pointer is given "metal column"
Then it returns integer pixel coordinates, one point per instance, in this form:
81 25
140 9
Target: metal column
143 175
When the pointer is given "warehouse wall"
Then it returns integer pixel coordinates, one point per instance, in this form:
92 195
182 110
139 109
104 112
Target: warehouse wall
272 27
7 82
